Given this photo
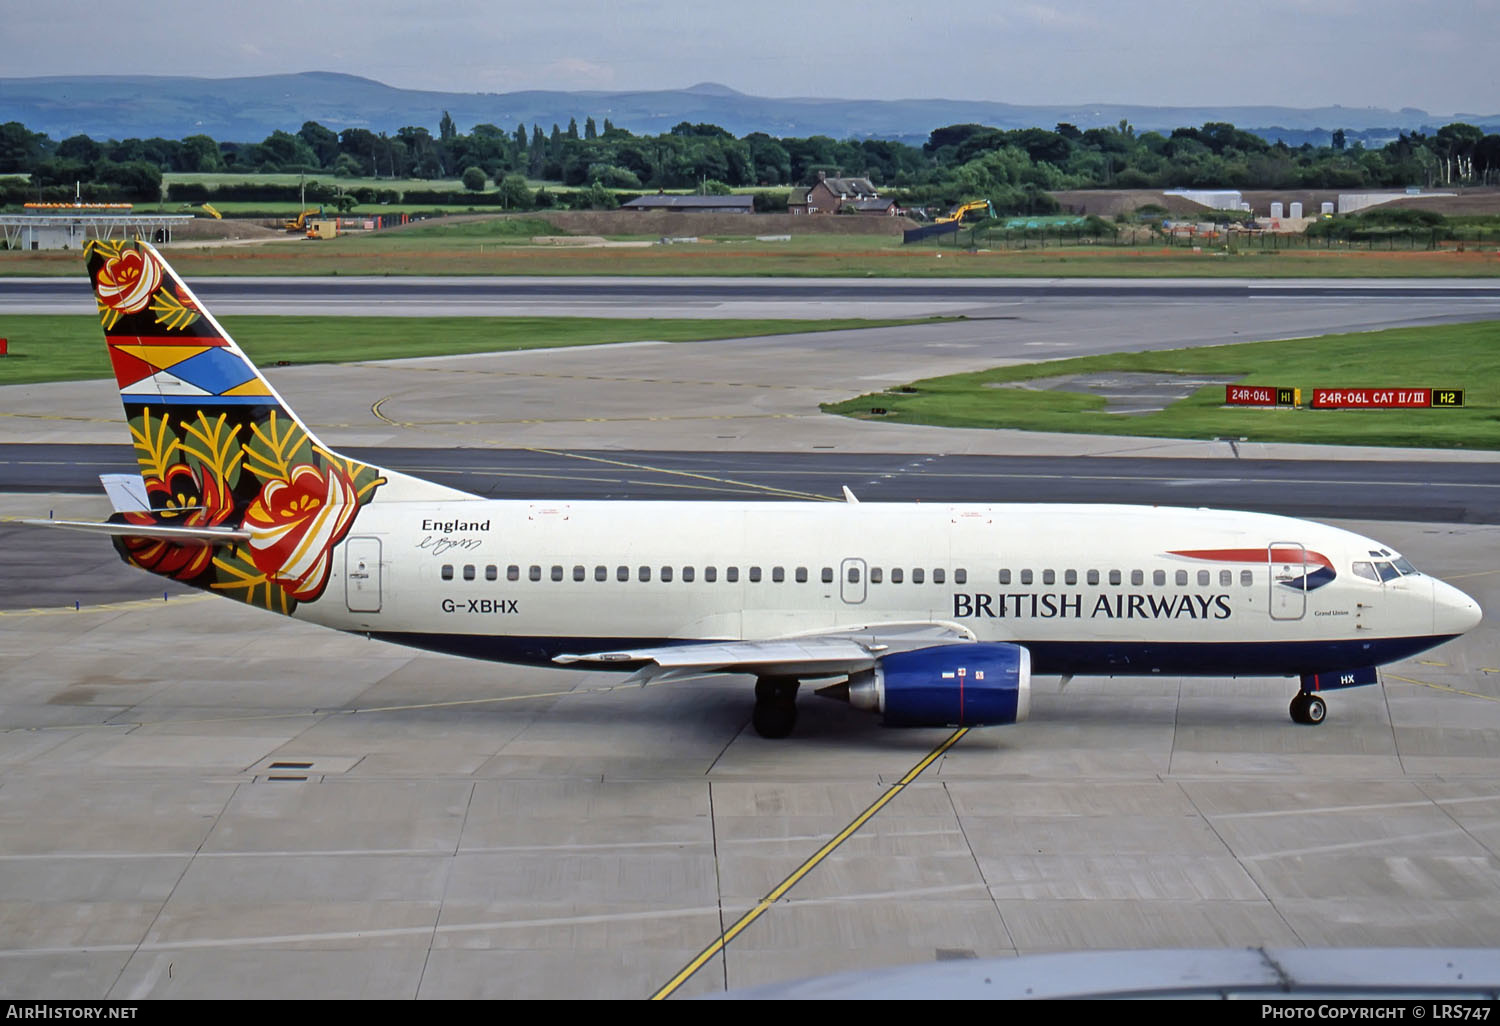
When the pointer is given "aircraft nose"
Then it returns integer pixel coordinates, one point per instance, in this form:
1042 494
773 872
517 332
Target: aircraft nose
1453 612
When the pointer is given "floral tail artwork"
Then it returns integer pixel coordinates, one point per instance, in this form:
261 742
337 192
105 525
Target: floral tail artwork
216 445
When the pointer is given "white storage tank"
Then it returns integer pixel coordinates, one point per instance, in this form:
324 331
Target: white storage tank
1326 210
1276 209
1296 210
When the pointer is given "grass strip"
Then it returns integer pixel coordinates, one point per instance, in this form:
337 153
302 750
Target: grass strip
1465 356
67 347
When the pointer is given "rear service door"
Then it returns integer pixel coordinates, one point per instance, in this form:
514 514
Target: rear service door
362 575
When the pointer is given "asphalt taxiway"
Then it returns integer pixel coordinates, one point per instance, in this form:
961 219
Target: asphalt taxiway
198 800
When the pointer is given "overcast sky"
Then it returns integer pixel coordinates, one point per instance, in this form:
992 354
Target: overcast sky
1438 55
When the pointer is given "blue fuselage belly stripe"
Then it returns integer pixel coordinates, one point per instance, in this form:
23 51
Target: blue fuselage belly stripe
1192 659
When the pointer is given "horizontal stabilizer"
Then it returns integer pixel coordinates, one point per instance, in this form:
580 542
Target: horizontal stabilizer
127 492
181 535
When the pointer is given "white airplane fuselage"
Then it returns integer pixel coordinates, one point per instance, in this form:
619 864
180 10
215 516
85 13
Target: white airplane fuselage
928 614
1095 589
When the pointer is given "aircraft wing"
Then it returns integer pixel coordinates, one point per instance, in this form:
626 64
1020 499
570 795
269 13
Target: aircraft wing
823 653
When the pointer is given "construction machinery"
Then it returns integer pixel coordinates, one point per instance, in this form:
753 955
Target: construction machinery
950 222
323 228
961 212
299 224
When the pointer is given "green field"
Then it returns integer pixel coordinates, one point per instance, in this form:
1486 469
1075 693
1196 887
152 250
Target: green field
1465 356
59 347
502 247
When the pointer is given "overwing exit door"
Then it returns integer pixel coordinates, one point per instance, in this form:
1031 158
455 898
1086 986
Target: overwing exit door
852 573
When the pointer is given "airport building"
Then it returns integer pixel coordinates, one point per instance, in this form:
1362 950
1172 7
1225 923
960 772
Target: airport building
70 225
737 204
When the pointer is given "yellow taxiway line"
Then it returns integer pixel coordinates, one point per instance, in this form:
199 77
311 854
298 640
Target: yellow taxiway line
780 890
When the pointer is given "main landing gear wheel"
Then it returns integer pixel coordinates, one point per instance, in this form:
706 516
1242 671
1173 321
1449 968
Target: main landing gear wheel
775 706
1308 709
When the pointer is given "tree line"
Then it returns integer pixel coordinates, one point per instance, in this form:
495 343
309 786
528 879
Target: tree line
1013 168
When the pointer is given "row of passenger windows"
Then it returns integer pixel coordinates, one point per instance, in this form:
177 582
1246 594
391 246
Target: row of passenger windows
877 575
1137 577
710 574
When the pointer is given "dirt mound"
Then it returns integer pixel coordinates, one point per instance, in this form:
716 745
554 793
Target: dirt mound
202 229
1107 203
1468 201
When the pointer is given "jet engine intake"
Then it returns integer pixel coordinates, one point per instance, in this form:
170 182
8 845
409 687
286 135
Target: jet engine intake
947 685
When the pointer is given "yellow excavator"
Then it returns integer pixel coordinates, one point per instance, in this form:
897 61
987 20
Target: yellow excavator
960 212
300 223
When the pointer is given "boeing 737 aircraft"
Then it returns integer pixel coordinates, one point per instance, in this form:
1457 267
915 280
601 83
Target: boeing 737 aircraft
925 614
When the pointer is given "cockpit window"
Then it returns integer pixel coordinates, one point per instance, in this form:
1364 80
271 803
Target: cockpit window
1366 570
1404 565
1386 571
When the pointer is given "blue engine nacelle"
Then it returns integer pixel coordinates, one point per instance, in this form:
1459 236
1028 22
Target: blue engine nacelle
948 685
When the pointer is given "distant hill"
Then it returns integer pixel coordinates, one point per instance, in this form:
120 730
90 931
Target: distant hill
249 109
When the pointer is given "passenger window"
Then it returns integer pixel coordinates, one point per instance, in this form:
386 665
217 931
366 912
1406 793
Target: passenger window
1182 578
643 573
578 573
1025 576
601 573
512 573
492 572
755 575
961 576
1004 576
710 574
1093 577
1246 578
469 571
1204 578
854 575
1114 577
778 574
1226 578
447 571
666 573
895 575
557 573
1158 578
535 573
622 573
828 575
916 576
731 574
687 573
1049 577
938 576
1070 576
876 575
1137 578
802 575
1366 570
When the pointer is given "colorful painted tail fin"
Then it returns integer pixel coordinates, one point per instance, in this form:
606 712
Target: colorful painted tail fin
218 448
